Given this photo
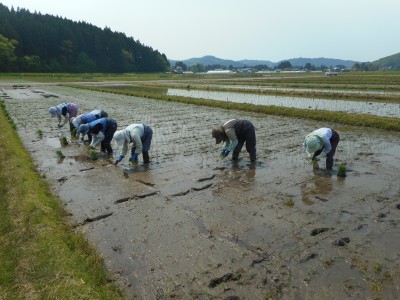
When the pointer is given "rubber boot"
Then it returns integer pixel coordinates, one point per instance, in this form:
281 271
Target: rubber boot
133 149
146 158
235 156
253 156
329 162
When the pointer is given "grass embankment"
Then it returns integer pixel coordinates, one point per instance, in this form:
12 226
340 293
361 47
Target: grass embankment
41 256
319 115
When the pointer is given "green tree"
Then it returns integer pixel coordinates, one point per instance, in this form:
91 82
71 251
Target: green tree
31 63
7 53
284 65
198 68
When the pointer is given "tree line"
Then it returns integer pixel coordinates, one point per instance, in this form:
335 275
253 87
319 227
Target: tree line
32 42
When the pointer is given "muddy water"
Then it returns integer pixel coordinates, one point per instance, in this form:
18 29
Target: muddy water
365 107
191 225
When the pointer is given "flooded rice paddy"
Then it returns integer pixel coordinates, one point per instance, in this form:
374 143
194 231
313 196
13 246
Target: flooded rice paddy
358 107
193 226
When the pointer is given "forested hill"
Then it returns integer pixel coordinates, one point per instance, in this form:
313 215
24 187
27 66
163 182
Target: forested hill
32 42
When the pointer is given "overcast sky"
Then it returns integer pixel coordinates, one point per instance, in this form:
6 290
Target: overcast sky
275 30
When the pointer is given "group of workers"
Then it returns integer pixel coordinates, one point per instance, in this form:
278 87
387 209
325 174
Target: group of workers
234 134
101 129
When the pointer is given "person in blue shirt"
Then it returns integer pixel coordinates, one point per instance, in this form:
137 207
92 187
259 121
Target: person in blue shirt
102 131
87 118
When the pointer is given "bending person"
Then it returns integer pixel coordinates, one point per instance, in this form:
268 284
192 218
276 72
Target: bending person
87 118
234 133
102 131
323 140
66 110
140 135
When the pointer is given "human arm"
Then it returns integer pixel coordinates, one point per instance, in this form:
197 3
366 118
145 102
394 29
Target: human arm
64 113
96 139
232 141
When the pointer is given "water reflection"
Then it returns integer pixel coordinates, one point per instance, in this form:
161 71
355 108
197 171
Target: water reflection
373 108
318 187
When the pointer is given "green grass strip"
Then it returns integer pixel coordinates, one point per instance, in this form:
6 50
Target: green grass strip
41 256
365 120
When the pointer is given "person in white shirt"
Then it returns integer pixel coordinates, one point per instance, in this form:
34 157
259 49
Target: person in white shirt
140 135
324 142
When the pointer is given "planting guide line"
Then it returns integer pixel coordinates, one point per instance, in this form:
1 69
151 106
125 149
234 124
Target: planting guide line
232 234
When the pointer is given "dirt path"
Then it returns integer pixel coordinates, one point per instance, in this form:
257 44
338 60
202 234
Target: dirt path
193 226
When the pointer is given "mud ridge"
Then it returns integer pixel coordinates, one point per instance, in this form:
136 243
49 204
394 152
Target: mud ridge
89 220
206 178
258 261
192 189
86 169
225 278
135 197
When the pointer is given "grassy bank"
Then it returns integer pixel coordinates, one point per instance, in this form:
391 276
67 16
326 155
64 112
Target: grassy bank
319 115
41 256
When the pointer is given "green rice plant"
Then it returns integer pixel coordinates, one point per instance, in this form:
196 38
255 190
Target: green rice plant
289 202
342 170
63 141
74 133
93 154
60 154
377 267
39 132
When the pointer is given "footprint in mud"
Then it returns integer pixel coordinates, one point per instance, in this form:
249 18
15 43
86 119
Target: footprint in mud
341 242
398 206
317 231
309 257
227 277
362 228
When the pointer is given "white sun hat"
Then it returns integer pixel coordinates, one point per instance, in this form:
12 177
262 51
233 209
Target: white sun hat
313 144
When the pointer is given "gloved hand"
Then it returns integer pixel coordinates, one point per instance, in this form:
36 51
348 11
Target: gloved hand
134 158
121 157
224 153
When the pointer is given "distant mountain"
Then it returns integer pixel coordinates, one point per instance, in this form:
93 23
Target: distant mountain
321 61
212 60
391 62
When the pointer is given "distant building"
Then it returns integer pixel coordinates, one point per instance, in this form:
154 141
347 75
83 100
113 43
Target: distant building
220 72
178 70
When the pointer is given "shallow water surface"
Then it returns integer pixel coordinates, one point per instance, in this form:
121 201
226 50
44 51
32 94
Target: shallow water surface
372 108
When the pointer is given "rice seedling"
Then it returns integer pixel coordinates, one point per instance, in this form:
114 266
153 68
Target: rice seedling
342 169
289 202
63 141
39 132
74 133
60 154
93 154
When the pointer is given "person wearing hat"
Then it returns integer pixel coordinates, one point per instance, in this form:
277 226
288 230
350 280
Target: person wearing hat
103 130
66 110
87 118
140 135
234 133
323 140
